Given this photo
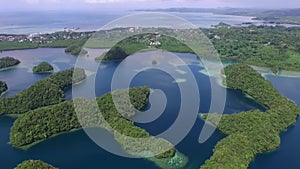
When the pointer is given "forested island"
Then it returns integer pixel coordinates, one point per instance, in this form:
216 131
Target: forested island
34 164
252 132
3 87
43 67
8 62
46 92
42 123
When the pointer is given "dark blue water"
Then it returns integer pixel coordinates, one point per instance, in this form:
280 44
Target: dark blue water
76 151
288 155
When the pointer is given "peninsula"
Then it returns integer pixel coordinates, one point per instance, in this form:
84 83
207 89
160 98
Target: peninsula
253 132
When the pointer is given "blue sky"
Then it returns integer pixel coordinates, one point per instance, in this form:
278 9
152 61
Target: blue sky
138 4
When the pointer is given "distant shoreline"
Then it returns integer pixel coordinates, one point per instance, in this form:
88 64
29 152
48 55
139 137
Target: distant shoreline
262 70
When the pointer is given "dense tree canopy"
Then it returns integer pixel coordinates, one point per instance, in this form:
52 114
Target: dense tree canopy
43 67
7 62
253 132
141 42
3 87
34 164
48 121
76 49
266 46
43 93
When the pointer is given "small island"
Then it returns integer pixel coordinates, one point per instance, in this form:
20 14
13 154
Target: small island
43 67
8 62
34 164
3 87
154 62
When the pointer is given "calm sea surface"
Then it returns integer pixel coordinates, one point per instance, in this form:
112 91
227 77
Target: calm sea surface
76 151
52 21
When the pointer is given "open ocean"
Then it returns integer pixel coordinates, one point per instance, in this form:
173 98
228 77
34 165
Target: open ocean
53 21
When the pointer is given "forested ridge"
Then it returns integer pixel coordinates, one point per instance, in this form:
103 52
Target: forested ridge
45 122
46 92
252 132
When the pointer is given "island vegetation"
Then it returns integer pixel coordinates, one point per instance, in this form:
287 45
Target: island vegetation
264 46
52 40
252 132
148 41
76 49
3 87
73 45
7 62
45 122
46 92
43 67
34 164
254 45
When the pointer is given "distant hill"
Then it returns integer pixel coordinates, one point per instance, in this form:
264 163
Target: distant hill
235 11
